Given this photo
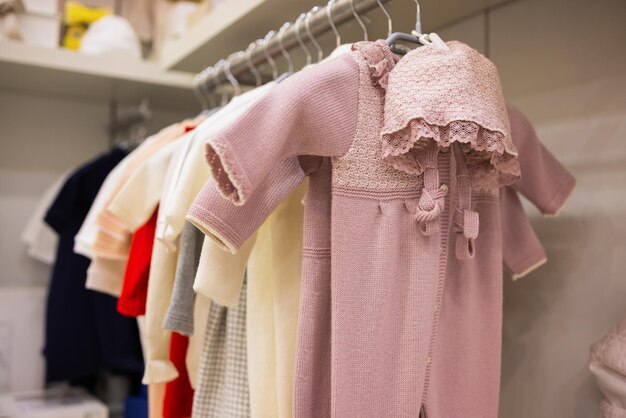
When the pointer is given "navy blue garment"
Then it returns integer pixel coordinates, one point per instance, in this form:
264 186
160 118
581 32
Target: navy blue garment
85 335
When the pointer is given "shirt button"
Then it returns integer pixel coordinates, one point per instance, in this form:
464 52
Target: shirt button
444 188
445 150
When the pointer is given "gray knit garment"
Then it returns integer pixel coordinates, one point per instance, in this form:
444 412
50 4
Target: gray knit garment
179 316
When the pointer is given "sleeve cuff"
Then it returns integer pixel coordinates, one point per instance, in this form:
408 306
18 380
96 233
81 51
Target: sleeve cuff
159 371
527 265
106 276
166 236
179 322
561 197
227 300
225 236
227 172
128 219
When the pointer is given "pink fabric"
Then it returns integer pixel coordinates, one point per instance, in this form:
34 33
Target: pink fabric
239 164
232 225
461 102
545 182
373 264
521 250
608 366
465 379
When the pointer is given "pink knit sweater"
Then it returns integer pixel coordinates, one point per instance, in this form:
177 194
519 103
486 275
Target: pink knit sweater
375 284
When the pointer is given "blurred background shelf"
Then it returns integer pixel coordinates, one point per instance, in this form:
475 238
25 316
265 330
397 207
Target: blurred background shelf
232 25
75 75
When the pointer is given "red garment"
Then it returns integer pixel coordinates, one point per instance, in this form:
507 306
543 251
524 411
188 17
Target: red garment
132 300
178 393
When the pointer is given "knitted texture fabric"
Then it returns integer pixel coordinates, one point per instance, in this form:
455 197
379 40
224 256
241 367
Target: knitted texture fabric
447 96
376 253
465 378
222 389
179 315
608 367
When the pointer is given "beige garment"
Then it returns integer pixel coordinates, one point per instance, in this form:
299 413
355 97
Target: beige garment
41 240
136 200
109 224
274 260
156 396
201 311
133 205
139 192
193 171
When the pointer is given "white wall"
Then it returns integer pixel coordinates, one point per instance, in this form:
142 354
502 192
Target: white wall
40 138
563 62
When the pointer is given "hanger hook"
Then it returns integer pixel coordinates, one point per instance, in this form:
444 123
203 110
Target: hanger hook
218 67
389 20
299 38
329 14
265 42
281 35
257 75
204 87
231 78
199 79
358 19
307 26
418 17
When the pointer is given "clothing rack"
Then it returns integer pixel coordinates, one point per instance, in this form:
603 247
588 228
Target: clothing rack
319 23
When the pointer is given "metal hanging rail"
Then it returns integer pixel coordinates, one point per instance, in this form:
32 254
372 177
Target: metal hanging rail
319 23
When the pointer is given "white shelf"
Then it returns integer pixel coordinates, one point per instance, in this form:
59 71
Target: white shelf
235 23
71 74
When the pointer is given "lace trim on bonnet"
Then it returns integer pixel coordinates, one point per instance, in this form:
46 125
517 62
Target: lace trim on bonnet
443 96
437 99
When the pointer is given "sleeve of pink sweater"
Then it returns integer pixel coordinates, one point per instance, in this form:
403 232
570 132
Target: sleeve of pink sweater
522 251
312 112
231 225
544 182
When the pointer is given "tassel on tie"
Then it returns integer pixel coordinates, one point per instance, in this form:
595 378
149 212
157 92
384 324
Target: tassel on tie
429 207
466 222
432 200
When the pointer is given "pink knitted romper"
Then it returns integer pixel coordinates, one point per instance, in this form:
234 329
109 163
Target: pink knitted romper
394 201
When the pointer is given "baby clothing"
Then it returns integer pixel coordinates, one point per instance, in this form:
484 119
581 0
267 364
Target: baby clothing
132 299
85 335
608 367
403 204
222 389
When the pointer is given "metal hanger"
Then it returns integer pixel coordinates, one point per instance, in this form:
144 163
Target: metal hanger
307 26
358 19
223 93
268 57
204 88
229 75
128 128
389 20
199 79
257 75
299 38
329 14
416 36
281 46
